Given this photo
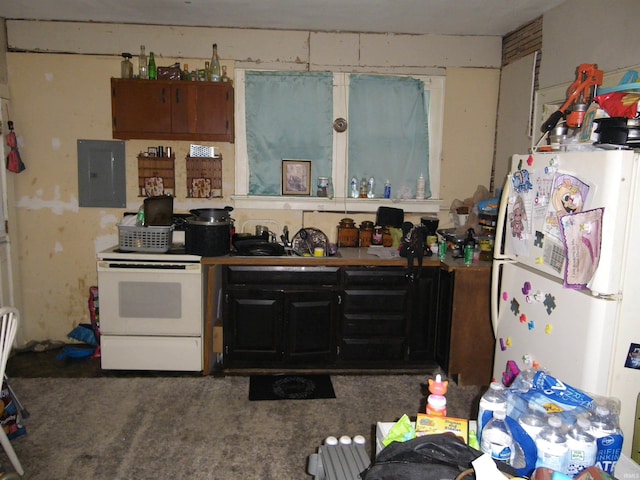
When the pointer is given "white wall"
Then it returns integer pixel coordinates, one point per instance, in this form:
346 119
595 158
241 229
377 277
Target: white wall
588 31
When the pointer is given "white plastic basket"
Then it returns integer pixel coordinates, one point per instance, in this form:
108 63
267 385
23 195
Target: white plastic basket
202 151
145 239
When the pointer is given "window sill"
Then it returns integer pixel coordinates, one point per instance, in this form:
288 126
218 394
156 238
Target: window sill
321 204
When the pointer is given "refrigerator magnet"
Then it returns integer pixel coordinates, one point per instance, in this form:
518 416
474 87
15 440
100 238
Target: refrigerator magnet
633 358
548 328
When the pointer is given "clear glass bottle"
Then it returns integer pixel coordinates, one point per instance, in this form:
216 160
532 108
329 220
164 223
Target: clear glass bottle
214 66
497 440
153 71
225 76
143 66
126 67
207 71
421 186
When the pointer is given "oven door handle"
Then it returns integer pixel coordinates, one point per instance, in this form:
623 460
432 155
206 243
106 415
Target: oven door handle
146 267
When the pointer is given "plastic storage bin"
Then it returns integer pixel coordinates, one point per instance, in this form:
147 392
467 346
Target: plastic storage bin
145 239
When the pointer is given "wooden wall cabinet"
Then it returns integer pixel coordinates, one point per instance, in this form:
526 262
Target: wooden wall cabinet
172 110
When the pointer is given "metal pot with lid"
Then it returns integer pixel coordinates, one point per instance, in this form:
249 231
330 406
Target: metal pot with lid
208 232
212 215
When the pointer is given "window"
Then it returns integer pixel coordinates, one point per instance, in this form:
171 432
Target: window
290 115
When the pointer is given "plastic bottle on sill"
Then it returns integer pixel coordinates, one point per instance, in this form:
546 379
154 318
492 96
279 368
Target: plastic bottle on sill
387 189
354 188
497 440
421 186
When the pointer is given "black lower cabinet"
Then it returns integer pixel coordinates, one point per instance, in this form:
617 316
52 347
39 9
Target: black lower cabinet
330 317
279 317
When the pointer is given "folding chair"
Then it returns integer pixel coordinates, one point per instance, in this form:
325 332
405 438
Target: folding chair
9 318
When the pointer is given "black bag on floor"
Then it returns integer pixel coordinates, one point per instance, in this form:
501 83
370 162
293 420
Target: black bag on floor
440 456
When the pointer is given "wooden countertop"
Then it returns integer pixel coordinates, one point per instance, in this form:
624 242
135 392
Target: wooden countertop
346 256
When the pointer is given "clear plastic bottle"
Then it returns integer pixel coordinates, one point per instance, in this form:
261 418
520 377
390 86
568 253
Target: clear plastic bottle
497 440
371 188
553 451
582 447
493 400
143 67
387 189
609 438
214 74
354 188
421 185
153 71
532 421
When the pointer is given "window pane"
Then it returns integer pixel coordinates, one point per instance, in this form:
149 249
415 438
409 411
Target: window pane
388 132
289 115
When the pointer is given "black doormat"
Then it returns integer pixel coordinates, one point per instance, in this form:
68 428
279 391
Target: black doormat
290 387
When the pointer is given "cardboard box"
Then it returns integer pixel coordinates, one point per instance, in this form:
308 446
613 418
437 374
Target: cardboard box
429 424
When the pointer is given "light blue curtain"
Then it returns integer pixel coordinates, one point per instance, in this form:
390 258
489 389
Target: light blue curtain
289 115
388 131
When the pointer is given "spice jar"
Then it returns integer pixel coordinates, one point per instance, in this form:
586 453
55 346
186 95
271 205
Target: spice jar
347 233
366 232
387 239
376 238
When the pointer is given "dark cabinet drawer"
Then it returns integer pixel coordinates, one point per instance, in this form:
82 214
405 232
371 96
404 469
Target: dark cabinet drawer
267 276
378 276
375 300
373 325
372 349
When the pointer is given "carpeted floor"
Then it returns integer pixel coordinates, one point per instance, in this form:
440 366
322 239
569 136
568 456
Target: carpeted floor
200 428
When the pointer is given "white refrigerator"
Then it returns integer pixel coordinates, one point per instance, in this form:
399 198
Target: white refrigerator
566 273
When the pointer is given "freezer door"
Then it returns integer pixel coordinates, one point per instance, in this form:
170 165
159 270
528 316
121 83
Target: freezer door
567 215
567 332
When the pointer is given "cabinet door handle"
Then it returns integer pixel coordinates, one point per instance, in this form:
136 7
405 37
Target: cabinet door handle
177 95
164 99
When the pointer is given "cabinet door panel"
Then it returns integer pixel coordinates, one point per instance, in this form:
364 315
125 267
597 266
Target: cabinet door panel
140 107
425 332
253 329
214 110
310 325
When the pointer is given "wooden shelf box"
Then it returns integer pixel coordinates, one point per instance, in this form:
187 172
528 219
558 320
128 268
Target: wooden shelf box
156 176
204 177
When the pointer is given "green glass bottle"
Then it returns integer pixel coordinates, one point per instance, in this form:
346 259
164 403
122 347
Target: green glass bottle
153 71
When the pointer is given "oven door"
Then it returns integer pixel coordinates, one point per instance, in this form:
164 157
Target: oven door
150 298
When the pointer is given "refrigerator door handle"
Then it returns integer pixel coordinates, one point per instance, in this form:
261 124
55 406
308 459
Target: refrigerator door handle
498 250
495 292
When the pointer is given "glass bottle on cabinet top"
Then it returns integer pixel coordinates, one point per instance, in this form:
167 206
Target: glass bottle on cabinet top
143 68
215 75
153 72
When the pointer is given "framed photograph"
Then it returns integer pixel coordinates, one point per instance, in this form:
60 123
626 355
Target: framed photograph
296 177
